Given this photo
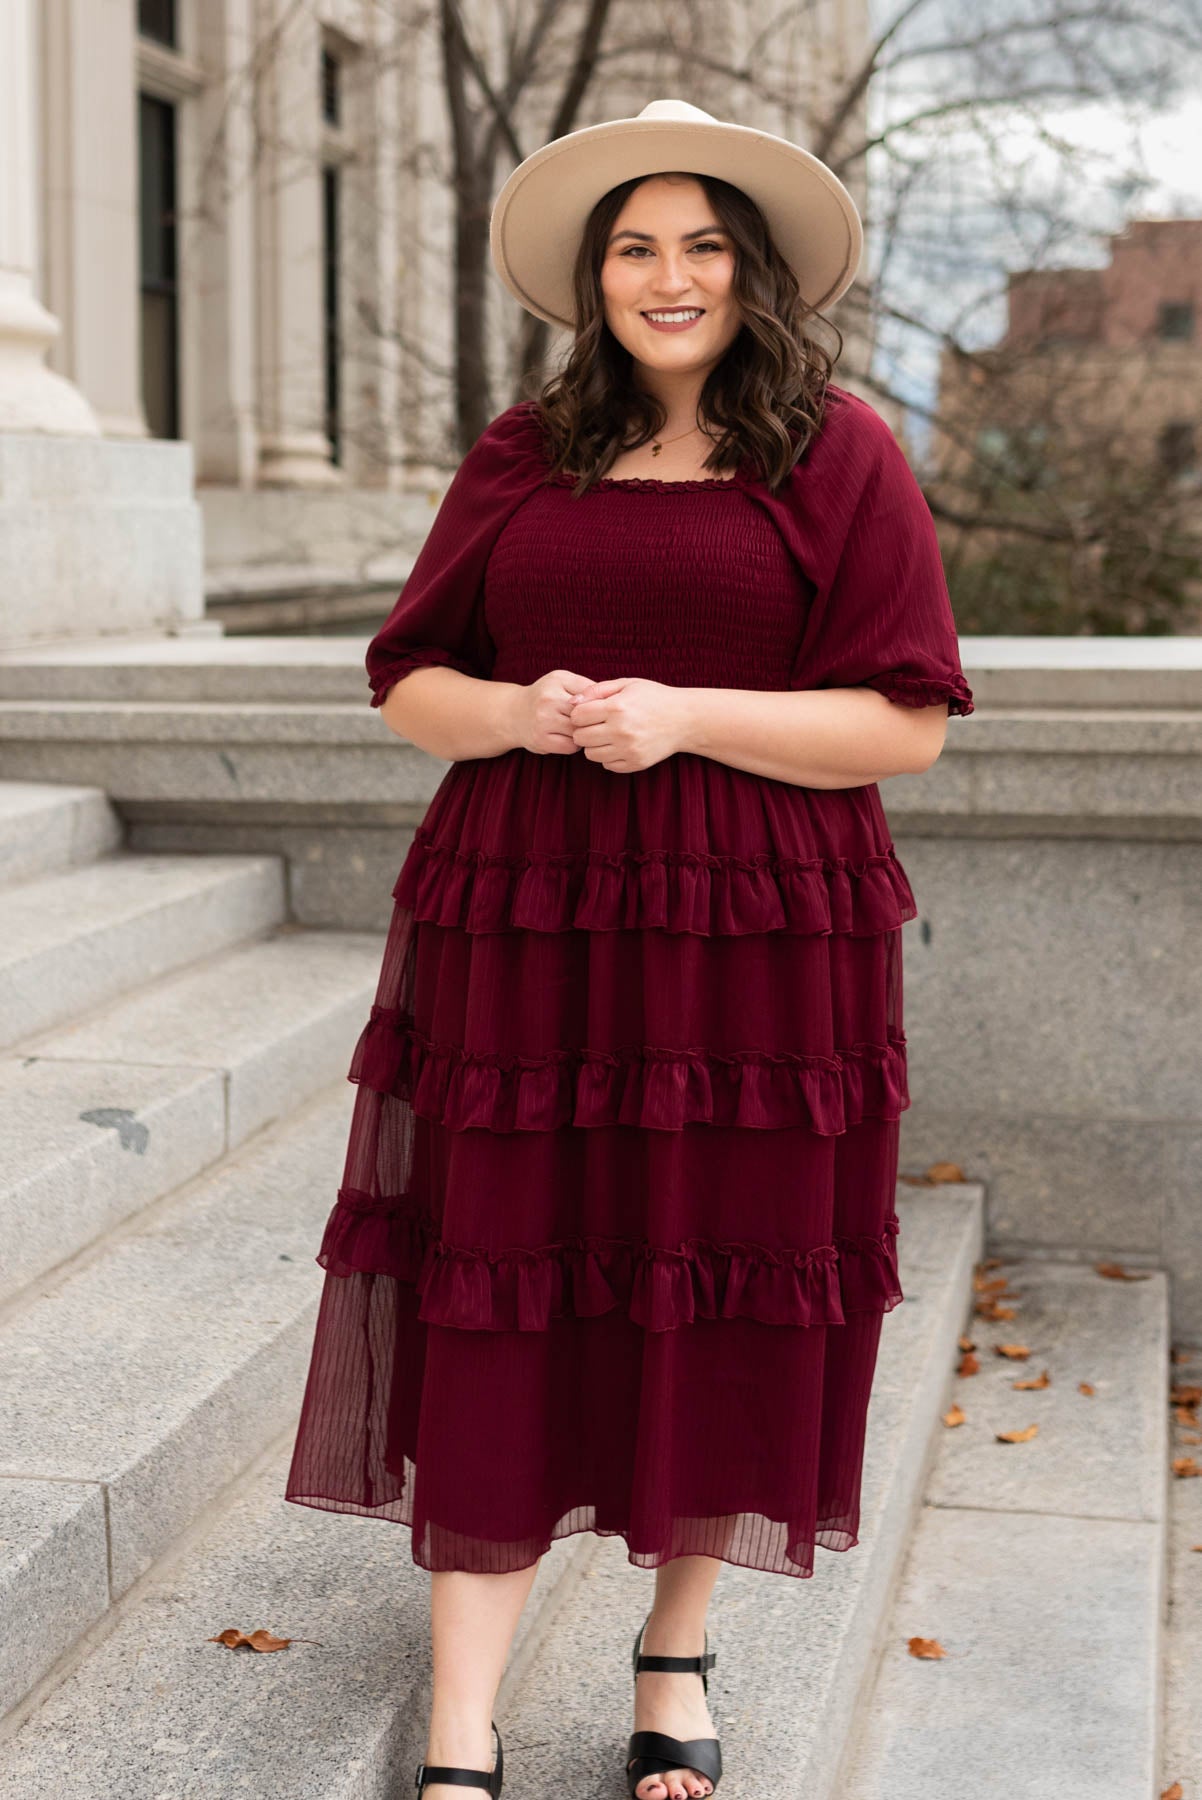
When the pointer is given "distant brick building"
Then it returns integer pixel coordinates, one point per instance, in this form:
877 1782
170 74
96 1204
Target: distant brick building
1067 477
1098 377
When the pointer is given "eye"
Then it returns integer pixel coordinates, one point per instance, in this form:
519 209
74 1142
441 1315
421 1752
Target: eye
705 244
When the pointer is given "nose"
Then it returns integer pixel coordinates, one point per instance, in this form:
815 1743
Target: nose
673 278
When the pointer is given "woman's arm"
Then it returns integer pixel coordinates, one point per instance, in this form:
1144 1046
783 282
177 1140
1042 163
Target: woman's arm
827 738
453 715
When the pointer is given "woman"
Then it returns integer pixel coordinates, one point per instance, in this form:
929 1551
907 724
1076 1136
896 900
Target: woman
617 1230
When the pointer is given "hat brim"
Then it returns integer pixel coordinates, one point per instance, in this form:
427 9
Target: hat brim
541 210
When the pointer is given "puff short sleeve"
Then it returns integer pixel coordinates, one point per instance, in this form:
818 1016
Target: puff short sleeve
880 615
439 616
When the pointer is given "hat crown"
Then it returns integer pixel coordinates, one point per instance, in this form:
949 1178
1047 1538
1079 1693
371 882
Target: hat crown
680 112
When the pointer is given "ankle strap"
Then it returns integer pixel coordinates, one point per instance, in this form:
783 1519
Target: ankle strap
488 1779
676 1664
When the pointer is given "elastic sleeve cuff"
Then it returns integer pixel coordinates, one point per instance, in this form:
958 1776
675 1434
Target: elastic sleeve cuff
921 690
428 657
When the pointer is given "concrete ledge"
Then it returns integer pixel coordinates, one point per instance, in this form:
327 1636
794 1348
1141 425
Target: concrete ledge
98 532
1005 673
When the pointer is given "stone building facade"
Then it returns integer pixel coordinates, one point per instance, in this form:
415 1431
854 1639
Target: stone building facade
238 227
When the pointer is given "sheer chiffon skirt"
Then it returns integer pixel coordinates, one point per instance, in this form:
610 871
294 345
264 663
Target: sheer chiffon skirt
616 1228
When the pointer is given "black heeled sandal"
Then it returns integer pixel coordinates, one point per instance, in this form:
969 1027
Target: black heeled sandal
488 1779
654 1752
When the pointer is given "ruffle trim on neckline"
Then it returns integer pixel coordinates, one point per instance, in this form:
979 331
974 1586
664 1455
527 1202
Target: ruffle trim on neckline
920 690
652 1089
583 1277
649 483
670 890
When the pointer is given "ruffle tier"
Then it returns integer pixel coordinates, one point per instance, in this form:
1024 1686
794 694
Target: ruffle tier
643 1086
659 1288
670 890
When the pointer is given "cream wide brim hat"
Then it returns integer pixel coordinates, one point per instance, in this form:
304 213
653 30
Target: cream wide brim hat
540 213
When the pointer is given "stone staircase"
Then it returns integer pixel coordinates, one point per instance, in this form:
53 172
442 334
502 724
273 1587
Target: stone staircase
176 1107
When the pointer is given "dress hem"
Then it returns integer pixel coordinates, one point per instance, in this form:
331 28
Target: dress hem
827 1536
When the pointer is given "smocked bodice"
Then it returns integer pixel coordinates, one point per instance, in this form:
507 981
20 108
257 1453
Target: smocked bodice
685 582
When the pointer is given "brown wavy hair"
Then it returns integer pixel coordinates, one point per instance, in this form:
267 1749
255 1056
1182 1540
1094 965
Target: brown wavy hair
766 396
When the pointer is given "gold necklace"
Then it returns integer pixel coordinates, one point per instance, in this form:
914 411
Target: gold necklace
657 445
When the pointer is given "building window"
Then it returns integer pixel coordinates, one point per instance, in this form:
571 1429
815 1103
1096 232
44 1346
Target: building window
1177 448
333 349
330 88
156 19
1176 321
159 284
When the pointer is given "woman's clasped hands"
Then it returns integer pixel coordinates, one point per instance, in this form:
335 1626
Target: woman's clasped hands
626 724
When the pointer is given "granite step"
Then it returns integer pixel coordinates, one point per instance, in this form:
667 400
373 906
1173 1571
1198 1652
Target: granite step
45 828
1038 1566
149 1708
77 939
145 1377
105 1115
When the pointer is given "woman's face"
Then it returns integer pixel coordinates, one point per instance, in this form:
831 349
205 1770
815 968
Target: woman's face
667 252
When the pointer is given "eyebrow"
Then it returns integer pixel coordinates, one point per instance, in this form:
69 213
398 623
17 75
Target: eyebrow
646 237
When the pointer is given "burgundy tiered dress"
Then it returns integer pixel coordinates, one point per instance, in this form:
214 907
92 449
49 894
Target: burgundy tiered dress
617 1225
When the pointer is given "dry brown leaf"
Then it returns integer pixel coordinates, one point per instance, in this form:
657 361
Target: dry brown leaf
1016 1352
1085 1387
1180 1355
990 1284
1185 1396
1035 1381
927 1648
1196 1546
1016 1437
1116 1272
1185 1465
231 1637
955 1415
989 1309
1191 1437
1176 1792
1187 1416
940 1171
968 1364
965 1342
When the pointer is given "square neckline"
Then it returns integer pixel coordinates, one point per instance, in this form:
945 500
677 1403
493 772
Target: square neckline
654 483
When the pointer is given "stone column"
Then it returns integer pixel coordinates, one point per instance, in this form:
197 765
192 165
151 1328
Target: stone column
371 270
90 186
32 397
221 251
294 448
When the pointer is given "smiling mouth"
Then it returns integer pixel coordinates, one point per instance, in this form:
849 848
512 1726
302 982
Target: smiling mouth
674 314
